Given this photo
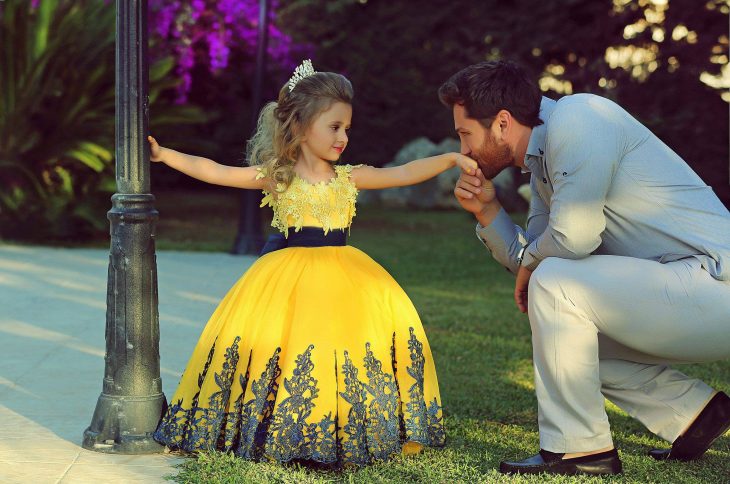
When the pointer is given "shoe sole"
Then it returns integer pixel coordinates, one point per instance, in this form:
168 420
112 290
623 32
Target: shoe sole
604 467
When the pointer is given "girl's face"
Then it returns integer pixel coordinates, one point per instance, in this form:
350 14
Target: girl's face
326 138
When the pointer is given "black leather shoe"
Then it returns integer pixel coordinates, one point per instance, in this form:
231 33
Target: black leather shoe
711 423
552 463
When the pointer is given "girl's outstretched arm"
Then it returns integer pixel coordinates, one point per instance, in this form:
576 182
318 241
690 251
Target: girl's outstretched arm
207 170
416 171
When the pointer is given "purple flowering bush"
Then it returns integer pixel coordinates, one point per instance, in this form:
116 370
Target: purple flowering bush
206 32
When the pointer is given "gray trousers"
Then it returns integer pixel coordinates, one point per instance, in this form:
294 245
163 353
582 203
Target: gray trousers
610 326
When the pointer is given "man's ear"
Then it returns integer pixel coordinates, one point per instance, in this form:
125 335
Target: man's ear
504 119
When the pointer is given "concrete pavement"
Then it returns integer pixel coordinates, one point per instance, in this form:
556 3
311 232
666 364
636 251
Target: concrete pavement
52 320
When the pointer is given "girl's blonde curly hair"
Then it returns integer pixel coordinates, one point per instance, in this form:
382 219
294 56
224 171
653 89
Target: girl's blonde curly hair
276 144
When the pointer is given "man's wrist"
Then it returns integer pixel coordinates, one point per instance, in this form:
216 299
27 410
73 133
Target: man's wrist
529 261
487 215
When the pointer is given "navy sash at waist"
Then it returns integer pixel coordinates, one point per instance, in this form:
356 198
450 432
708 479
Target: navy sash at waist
306 237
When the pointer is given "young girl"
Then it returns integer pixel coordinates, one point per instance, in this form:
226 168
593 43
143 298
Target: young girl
316 353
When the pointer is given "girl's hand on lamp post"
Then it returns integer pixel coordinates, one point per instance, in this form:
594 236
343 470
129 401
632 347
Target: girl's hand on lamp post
155 149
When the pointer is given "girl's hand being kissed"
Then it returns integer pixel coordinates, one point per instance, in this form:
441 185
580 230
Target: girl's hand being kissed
466 164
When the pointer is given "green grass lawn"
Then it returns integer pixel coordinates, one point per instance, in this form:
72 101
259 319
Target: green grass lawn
480 341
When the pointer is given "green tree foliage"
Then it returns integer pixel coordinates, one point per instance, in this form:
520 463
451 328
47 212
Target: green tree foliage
398 53
57 117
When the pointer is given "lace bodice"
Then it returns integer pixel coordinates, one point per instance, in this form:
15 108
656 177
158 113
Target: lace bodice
330 205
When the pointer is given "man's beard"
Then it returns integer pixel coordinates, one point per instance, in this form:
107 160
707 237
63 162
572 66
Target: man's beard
492 158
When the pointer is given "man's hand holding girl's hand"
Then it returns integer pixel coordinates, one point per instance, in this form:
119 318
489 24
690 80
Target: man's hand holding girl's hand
473 191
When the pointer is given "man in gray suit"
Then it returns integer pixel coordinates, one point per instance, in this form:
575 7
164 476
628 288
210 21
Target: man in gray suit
623 267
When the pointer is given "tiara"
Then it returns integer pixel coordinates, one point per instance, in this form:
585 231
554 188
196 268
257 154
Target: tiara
303 70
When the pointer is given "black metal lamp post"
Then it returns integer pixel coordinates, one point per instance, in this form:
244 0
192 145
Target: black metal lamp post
249 239
131 401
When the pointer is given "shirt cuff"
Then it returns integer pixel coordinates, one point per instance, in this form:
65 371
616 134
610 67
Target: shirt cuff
498 233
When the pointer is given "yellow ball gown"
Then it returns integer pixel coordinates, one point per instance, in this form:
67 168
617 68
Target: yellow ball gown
316 353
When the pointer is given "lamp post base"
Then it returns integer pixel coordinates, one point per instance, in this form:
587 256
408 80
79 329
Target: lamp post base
121 425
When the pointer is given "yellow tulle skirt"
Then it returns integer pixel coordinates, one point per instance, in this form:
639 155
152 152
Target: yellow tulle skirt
314 354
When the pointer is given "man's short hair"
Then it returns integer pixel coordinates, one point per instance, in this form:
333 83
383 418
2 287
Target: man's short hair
488 87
